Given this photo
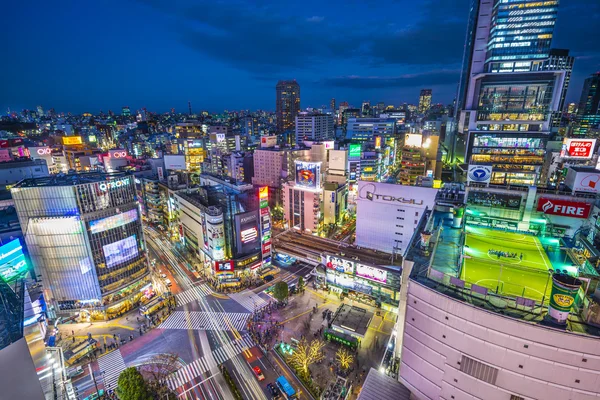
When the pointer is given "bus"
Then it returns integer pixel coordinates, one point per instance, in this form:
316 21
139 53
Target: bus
83 349
153 306
286 389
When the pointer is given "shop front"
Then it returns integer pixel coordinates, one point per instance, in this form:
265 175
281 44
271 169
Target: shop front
377 286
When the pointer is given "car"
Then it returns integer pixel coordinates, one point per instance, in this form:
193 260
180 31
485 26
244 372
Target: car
75 371
274 390
96 395
168 282
258 373
269 278
164 276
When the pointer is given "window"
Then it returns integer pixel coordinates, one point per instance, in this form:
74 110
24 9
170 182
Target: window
515 397
400 210
416 214
478 370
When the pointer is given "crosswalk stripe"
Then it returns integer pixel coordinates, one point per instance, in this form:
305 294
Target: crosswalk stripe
192 294
112 364
205 321
249 300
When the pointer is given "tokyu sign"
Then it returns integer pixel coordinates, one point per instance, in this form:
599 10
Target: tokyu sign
105 186
563 208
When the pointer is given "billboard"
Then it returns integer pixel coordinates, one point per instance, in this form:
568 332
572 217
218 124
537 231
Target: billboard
583 180
268 141
113 221
578 148
371 273
224 266
340 265
71 140
121 251
479 174
308 174
338 160
487 199
247 235
354 150
563 208
329 144
413 140
176 162
377 142
12 261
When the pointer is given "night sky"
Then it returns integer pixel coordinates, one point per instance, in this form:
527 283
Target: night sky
98 55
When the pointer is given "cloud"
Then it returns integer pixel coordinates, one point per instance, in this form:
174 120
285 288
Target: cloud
432 78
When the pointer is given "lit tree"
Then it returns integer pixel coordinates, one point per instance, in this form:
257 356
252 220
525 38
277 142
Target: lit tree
306 354
344 358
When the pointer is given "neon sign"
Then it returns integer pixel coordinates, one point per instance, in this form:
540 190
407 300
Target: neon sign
105 186
118 154
44 151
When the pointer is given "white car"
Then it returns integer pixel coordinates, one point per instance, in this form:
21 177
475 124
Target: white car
164 276
168 282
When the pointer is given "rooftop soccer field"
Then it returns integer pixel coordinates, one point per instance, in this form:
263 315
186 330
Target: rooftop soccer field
489 263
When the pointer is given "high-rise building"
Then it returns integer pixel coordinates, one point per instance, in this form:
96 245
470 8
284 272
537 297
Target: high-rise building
126 111
314 127
424 101
511 88
588 112
366 108
332 105
287 104
84 235
366 129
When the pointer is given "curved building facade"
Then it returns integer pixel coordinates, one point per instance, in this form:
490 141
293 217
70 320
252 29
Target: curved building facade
452 349
84 236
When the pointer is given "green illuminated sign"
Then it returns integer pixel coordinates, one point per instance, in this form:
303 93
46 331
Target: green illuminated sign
355 150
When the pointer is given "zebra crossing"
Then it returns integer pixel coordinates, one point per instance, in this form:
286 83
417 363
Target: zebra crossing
204 364
249 300
204 321
112 364
193 294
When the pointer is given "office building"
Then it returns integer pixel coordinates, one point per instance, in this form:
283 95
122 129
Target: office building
239 166
424 101
366 109
511 89
387 215
287 104
313 127
589 102
273 165
12 172
302 197
84 236
126 111
332 105
366 129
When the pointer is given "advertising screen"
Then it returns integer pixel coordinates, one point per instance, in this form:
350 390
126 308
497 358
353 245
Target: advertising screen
224 266
354 150
114 221
494 200
12 261
413 140
308 174
340 265
578 148
71 140
371 273
247 232
176 162
121 251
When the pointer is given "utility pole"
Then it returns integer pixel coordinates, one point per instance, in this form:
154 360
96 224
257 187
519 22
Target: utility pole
94 379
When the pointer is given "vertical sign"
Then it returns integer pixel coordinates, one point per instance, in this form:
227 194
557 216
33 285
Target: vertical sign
265 225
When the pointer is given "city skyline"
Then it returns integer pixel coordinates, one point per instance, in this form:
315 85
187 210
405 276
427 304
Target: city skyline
221 56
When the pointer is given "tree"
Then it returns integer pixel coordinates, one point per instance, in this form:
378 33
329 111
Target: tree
344 358
281 291
132 386
157 371
305 355
300 283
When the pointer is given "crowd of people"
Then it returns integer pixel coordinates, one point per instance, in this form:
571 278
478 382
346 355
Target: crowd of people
262 327
507 254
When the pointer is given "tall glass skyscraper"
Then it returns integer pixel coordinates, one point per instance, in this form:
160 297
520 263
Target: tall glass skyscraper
511 86
287 104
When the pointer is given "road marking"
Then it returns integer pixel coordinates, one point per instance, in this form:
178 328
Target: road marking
249 300
112 364
206 321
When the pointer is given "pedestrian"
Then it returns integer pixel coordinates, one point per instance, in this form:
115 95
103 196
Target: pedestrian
521 256
72 332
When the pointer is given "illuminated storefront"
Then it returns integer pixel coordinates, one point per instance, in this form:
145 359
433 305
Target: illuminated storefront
85 237
377 286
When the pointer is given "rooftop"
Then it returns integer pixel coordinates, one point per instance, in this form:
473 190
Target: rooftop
353 319
70 179
380 386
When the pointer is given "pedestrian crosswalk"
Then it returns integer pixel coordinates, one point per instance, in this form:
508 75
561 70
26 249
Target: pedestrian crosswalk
249 300
204 321
111 365
193 294
204 363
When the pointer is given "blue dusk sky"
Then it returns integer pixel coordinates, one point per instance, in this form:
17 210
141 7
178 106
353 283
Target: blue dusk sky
81 56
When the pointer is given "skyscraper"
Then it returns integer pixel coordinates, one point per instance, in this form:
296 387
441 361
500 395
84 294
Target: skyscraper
314 127
287 104
511 86
332 105
424 101
588 112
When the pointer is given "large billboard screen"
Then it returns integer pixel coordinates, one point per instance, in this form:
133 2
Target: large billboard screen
371 273
308 174
247 235
113 221
487 199
121 251
354 150
565 208
175 162
12 261
71 140
578 148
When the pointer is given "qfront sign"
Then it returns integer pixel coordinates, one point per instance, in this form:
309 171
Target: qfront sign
105 186
563 208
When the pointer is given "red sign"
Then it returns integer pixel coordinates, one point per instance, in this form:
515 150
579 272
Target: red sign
224 266
581 148
264 211
564 208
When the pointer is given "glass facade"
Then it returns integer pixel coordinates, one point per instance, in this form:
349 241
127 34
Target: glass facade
86 240
521 30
